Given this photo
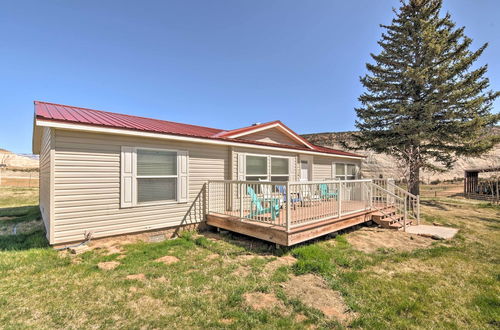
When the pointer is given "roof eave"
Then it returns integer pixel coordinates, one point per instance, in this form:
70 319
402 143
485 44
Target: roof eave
123 131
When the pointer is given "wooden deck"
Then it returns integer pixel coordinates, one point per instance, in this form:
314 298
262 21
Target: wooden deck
307 222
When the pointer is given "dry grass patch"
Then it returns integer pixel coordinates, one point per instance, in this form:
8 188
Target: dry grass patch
312 291
139 277
369 240
212 256
167 260
392 269
226 321
272 266
262 301
242 271
147 306
108 265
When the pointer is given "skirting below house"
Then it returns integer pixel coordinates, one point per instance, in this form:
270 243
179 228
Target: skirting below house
151 236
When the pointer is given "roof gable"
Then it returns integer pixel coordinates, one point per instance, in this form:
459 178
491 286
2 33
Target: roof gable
273 132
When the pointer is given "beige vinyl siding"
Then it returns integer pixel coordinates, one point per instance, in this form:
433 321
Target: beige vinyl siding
46 152
272 135
323 167
87 185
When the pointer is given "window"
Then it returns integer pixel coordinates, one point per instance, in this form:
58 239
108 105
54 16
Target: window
156 175
152 176
279 169
345 171
258 169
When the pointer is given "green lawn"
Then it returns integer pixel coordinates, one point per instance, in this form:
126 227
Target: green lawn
453 284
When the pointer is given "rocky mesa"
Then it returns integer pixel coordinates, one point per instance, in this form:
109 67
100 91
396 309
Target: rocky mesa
376 164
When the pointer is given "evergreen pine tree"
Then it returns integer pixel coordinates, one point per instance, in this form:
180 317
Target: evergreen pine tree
425 103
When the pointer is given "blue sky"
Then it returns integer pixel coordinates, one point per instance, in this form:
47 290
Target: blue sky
223 64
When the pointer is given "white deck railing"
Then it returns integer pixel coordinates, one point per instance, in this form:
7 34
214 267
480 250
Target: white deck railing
290 204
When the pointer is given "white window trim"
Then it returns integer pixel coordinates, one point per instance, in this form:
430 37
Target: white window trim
269 166
176 176
345 175
134 177
257 175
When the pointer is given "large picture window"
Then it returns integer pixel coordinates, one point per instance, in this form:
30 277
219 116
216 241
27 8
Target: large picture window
345 171
156 175
267 168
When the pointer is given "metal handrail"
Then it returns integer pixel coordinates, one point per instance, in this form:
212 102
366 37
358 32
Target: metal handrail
414 199
396 197
409 194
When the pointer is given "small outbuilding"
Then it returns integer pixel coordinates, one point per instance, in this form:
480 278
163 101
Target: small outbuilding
481 189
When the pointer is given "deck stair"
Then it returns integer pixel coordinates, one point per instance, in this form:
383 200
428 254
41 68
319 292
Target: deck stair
390 219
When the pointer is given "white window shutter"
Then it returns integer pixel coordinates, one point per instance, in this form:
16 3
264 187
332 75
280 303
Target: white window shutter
291 168
333 170
127 184
183 176
241 167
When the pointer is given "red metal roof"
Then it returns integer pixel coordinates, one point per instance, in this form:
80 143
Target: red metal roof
246 128
77 115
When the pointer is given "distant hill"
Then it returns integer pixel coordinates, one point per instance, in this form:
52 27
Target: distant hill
380 164
13 160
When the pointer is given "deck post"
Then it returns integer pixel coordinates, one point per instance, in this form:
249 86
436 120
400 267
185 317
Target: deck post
405 214
340 200
371 195
240 187
418 209
207 197
288 206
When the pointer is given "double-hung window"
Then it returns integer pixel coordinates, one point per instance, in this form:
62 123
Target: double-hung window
156 175
152 176
267 168
345 171
280 169
256 168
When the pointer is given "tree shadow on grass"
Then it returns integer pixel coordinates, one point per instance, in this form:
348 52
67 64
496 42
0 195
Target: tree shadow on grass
26 241
20 214
22 241
434 204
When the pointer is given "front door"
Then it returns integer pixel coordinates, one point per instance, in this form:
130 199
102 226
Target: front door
304 170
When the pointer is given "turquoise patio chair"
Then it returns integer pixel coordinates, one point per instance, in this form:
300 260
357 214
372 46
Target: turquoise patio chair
325 192
258 209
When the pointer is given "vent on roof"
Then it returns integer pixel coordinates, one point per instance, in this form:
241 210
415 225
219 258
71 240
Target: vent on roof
255 124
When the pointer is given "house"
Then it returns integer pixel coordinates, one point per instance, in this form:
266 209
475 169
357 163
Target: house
105 174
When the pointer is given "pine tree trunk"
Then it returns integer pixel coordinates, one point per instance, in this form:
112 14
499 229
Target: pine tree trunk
414 180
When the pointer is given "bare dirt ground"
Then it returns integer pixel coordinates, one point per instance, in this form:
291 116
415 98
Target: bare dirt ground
314 292
271 267
262 301
371 239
